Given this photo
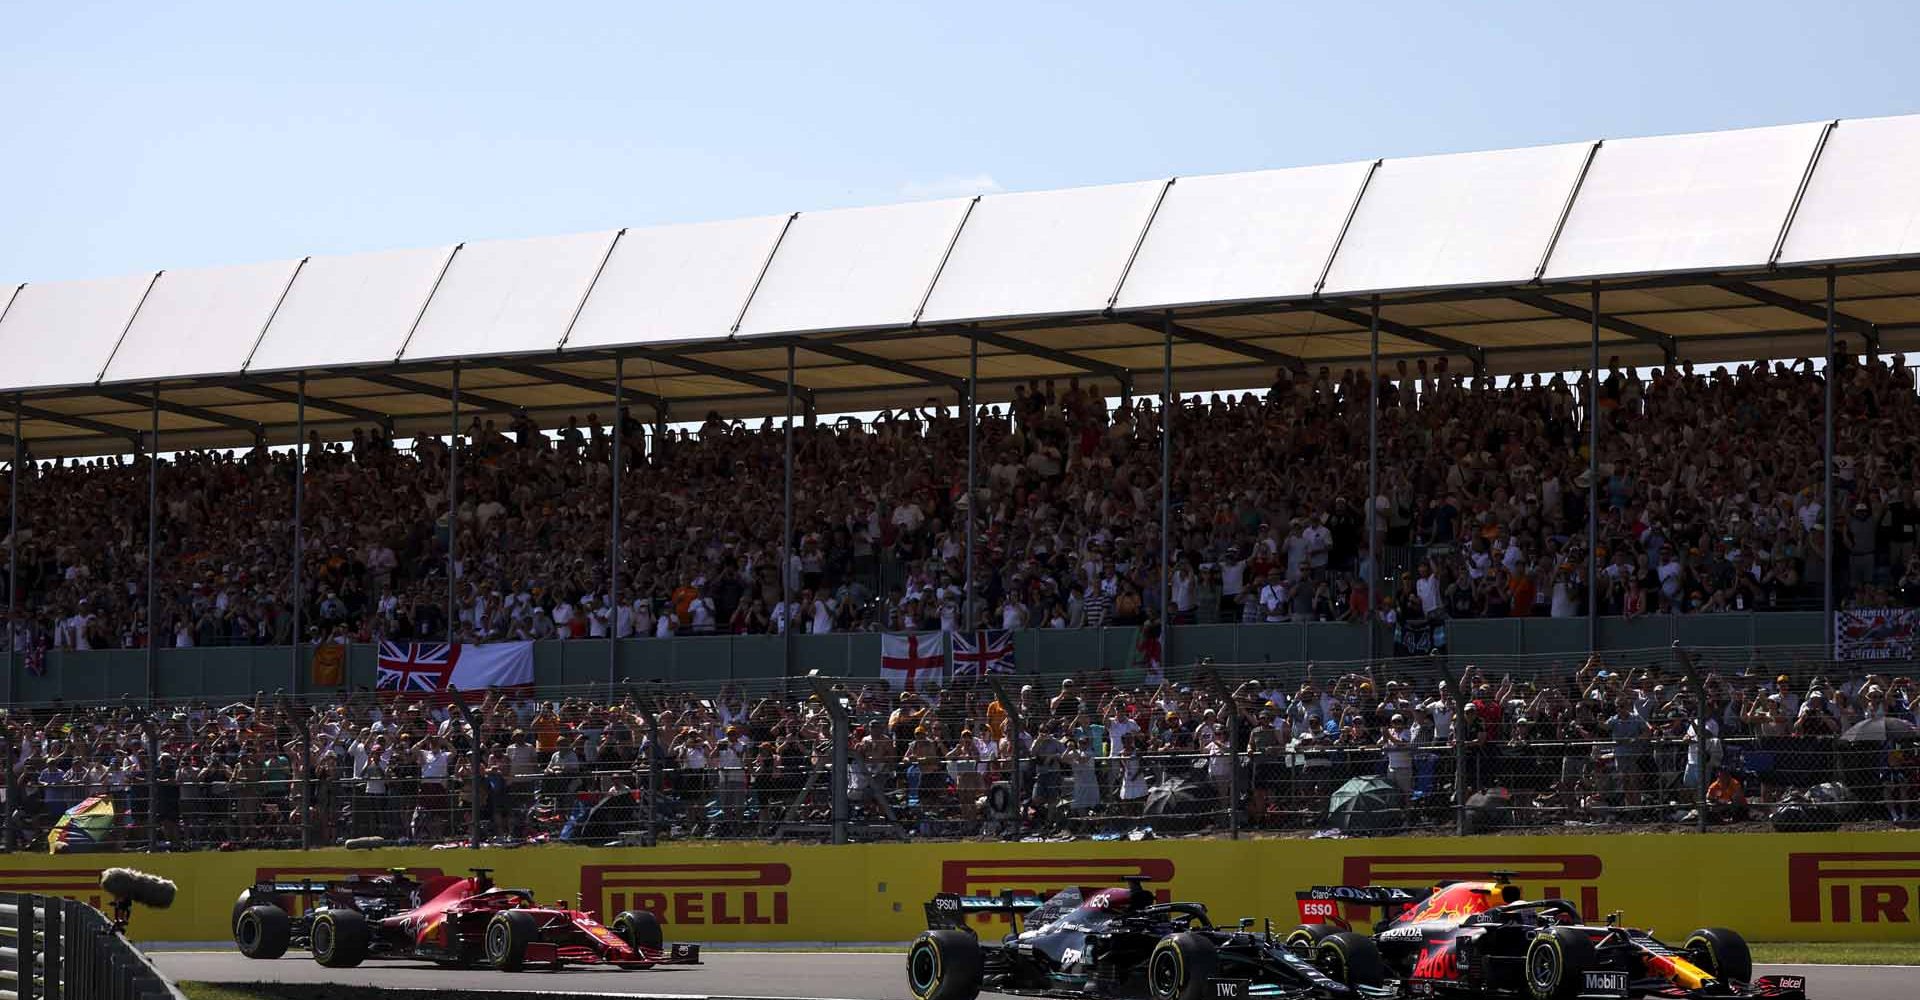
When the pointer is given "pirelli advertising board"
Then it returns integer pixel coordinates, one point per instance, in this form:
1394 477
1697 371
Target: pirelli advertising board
1807 887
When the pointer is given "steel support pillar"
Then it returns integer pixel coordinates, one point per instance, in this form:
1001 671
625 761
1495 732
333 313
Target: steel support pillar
453 505
788 613
967 622
1167 404
1373 478
613 546
1831 376
1593 478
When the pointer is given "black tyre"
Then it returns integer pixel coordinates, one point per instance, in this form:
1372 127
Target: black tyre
1305 939
240 906
263 931
640 929
1721 952
508 934
945 965
1350 959
1556 963
1179 967
339 938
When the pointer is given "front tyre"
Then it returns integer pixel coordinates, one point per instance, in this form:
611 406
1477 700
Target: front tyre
1350 959
339 938
1556 963
1179 967
508 935
945 965
1721 953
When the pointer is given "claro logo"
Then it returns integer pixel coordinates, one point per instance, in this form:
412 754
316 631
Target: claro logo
1539 876
1860 887
82 884
1046 876
711 894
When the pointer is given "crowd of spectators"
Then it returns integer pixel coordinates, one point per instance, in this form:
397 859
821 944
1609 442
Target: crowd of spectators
1709 501
1099 756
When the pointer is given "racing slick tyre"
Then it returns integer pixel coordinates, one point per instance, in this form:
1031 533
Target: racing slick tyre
639 929
339 938
263 931
1350 959
1179 967
1556 963
1721 952
508 934
945 965
1305 939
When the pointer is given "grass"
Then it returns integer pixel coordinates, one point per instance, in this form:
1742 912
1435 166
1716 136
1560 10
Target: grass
1836 953
217 991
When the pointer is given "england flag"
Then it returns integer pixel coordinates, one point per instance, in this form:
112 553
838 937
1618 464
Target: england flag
913 661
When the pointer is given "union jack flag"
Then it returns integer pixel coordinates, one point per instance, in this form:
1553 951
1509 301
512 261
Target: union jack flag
990 648
419 666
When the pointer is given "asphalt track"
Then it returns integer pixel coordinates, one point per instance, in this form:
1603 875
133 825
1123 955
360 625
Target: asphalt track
782 975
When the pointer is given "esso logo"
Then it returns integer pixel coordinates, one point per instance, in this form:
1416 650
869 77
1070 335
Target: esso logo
1318 908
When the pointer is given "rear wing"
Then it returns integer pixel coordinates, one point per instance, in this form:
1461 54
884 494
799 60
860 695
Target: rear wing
949 911
1321 904
305 886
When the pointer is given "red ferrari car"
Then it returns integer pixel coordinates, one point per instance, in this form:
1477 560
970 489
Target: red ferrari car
457 921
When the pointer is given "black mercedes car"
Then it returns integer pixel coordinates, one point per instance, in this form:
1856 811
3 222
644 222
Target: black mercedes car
1123 943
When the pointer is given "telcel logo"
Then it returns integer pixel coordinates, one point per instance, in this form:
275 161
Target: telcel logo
1539 876
707 894
1867 887
1046 876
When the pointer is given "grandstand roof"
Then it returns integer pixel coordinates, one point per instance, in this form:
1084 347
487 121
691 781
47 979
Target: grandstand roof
1710 246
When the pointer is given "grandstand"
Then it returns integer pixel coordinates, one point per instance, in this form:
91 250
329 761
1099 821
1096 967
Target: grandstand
1396 302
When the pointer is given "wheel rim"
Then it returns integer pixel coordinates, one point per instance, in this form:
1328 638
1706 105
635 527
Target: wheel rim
922 965
249 931
323 937
1333 963
1543 969
497 940
1164 974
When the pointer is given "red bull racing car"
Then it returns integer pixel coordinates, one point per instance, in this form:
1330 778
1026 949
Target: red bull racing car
1481 939
456 921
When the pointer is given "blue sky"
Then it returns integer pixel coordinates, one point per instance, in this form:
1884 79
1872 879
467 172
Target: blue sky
140 136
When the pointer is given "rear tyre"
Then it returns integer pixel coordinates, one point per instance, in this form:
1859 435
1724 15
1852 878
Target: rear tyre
263 931
1556 962
1721 952
1179 967
1350 959
339 938
1305 939
508 935
945 965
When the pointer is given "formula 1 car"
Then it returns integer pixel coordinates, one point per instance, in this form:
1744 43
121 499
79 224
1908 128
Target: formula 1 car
1481 939
1122 943
448 919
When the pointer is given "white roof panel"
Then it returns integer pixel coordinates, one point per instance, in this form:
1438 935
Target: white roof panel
1684 202
1464 219
1042 253
200 321
61 333
1862 201
349 310
673 283
854 268
509 296
1234 237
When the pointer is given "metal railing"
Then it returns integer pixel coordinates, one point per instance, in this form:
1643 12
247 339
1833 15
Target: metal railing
63 949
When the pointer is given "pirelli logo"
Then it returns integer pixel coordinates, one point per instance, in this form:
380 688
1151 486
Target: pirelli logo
1572 877
82 884
1867 887
709 895
1046 876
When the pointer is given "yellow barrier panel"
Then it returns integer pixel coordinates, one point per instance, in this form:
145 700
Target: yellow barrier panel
1805 887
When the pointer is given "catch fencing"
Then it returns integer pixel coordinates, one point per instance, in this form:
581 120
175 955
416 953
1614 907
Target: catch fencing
63 949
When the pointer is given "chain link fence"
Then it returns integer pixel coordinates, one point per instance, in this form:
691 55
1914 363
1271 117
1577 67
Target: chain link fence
1411 745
